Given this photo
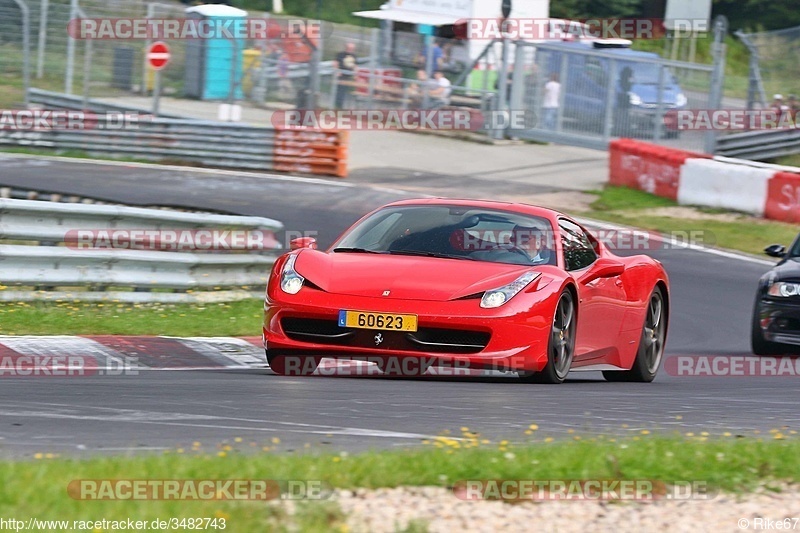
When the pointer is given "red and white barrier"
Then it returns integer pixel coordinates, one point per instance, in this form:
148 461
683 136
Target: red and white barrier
691 178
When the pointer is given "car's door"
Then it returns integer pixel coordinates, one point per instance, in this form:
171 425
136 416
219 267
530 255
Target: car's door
601 298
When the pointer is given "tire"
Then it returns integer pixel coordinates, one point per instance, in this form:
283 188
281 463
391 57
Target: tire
651 344
561 345
303 366
758 343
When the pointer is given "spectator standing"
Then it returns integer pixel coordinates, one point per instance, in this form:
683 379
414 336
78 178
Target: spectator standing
794 107
552 95
345 63
442 90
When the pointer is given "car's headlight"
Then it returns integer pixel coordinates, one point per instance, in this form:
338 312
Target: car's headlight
499 296
634 98
291 281
784 290
681 100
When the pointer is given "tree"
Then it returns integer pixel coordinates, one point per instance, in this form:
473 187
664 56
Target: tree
581 9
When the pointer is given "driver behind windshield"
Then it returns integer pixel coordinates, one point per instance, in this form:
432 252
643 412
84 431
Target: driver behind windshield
526 246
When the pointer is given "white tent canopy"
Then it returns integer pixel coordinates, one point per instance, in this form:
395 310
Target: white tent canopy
412 17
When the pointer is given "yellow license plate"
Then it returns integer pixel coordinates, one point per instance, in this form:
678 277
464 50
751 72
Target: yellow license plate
367 320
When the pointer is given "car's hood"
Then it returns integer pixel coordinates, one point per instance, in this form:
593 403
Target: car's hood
405 277
788 270
648 92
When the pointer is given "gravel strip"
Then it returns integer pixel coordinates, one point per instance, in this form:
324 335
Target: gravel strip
390 510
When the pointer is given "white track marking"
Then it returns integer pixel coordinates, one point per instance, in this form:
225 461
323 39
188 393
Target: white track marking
229 352
64 345
61 411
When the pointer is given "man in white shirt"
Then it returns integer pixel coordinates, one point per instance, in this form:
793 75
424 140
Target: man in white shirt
441 92
552 92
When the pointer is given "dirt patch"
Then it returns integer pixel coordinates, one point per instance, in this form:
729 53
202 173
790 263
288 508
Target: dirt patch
389 510
691 213
566 201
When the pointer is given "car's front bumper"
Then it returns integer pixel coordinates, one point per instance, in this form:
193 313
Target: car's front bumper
456 333
779 321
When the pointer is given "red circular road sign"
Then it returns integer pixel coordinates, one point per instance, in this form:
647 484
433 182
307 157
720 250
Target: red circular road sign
158 55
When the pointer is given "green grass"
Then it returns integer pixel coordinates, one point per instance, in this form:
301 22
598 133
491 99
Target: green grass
69 317
38 487
745 233
80 154
789 160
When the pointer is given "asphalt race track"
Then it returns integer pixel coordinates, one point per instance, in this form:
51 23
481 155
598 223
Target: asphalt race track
712 297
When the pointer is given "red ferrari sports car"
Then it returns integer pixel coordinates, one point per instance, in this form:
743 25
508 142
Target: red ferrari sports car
486 285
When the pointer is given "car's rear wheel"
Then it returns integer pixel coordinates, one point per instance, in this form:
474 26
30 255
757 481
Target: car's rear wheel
561 345
758 343
651 344
292 365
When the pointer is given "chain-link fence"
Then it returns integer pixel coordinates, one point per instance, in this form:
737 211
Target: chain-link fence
774 65
602 93
588 95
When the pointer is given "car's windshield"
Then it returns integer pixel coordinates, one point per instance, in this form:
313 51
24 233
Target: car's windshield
457 232
646 73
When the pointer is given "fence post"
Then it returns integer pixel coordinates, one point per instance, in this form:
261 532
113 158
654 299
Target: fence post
45 6
373 66
26 47
658 120
611 100
717 76
73 12
87 72
562 79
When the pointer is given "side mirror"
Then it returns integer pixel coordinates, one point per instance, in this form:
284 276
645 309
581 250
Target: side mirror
775 250
303 242
603 268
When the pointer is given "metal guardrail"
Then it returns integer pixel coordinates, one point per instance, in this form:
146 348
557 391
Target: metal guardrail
54 100
100 269
57 266
210 143
759 145
50 221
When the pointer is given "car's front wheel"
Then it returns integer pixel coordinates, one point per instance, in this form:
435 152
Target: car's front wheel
758 343
561 345
651 344
292 365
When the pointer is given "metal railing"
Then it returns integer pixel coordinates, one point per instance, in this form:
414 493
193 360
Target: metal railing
52 266
210 143
759 145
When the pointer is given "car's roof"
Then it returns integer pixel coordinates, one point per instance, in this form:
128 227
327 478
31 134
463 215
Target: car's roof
617 51
518 207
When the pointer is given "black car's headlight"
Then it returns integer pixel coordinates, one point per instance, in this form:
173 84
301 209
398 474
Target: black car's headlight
783 289
499 296
291 281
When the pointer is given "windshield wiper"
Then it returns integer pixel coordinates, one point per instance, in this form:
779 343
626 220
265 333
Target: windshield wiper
430 254
356 250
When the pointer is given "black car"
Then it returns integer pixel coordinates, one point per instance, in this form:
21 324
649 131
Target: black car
776 314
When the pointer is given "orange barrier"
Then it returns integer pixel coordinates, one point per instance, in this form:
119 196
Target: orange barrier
783 197
648 167
311 152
